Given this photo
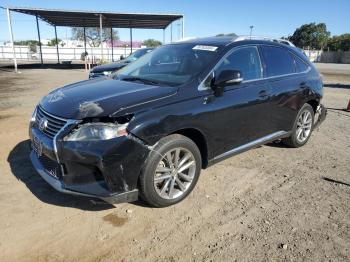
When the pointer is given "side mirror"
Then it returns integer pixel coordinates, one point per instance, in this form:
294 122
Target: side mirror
225 78
228 77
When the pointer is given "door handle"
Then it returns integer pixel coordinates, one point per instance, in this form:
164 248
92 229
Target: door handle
263 94
302 85
207 100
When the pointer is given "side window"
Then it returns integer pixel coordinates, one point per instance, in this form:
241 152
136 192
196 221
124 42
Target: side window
300 65
278 61
244 59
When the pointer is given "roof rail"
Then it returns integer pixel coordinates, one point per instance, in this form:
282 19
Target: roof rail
186 39
278 40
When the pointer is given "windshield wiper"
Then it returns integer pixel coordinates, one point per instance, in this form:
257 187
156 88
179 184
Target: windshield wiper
143 80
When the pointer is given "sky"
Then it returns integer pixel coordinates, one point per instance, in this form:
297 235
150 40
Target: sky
273 18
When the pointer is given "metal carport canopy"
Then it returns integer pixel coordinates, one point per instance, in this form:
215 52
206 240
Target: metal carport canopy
57 17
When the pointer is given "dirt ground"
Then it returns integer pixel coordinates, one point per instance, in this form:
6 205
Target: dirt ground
270 203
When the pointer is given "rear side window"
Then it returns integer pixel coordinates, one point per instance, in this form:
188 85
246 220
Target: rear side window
300 65
278 61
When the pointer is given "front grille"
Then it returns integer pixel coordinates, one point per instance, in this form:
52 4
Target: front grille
50 166
47 123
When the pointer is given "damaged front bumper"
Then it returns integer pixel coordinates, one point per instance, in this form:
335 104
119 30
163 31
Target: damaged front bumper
320 115
95 190
107 169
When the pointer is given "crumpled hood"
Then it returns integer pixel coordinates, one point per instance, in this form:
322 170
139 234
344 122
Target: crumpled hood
101 97
109 67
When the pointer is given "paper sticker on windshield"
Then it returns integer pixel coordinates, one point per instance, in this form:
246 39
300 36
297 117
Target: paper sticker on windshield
205 47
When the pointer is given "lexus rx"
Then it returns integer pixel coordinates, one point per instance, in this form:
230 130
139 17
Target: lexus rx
148 130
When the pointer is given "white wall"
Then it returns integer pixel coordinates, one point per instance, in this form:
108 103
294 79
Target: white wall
66 53
22 52
313 55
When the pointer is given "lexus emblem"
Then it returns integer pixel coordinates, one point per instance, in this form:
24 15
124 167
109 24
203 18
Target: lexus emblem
42 124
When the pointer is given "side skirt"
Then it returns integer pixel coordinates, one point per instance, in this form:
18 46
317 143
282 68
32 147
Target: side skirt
250 145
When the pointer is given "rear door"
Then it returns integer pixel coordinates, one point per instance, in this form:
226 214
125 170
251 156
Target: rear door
287 85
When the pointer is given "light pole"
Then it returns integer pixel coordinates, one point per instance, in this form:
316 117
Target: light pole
251 31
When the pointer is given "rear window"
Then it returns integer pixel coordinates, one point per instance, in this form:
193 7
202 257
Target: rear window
278 61
300 65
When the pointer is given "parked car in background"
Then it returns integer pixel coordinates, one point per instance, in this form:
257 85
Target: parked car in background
107 69
148 130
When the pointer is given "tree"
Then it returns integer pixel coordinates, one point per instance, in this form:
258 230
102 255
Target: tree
31 43
151 43
26 42
93 35
53 42
339 43
311 35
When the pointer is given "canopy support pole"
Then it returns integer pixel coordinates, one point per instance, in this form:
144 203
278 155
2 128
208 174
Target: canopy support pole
58 54
38 29
130 40
11 36
101 36
183 27
164 36
84 40
112 43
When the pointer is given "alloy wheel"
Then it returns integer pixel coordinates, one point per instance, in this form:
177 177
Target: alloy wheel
304 126
175 173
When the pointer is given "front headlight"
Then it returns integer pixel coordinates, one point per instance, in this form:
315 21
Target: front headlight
32 119
97 131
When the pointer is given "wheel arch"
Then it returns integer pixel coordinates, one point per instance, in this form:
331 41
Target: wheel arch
313 103
199 139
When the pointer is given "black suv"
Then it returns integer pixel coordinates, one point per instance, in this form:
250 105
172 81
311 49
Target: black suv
149 129
110 68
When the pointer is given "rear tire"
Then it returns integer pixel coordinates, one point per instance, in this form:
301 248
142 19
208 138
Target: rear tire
302 128
171 171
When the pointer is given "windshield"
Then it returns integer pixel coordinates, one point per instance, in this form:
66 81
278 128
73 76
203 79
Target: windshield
137 54
170 64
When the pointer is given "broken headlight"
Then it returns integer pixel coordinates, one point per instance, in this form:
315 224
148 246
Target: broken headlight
97 131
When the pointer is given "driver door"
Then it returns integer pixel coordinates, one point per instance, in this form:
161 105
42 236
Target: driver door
242 114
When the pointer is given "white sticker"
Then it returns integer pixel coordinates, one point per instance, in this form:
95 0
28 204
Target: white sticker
205 47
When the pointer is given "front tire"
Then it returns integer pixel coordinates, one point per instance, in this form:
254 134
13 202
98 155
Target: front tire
171 171
302 128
